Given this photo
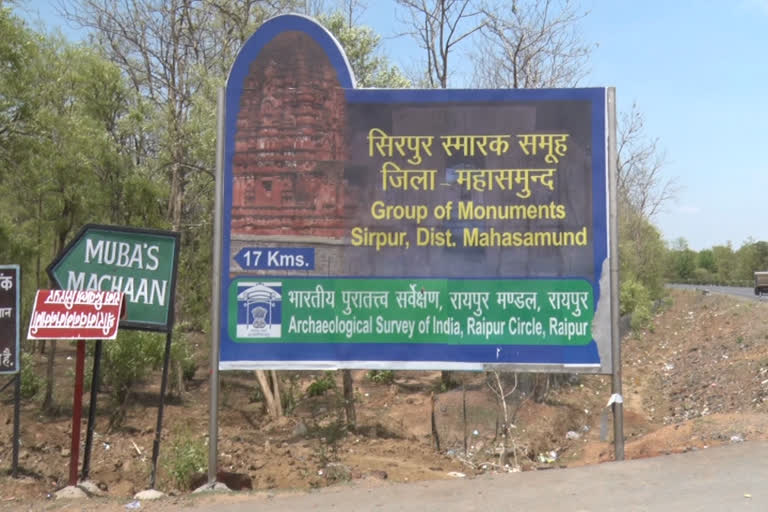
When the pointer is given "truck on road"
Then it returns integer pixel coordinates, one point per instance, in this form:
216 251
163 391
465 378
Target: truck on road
761 283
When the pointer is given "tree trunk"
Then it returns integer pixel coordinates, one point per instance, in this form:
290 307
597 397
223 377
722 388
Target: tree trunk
464 412
276 393
269 397
349 399
433 422
48 401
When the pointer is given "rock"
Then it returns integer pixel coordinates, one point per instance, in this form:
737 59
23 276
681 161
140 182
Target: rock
91 488
71 492
148 495
336 472
737 438
300 430
572 435
65 452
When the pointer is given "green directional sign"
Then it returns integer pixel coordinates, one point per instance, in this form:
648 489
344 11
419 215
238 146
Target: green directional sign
139 262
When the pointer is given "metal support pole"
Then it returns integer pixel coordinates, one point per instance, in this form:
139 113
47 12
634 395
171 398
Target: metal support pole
92 409
213 417
16 424
77 412
159 428
616 388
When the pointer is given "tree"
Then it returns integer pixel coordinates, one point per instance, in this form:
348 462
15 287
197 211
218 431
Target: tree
682 260
642 253
350 8
642 192
640 180
18 50
706 260
531 44
751 257
176 54
725 262
439 26
63 166
361 46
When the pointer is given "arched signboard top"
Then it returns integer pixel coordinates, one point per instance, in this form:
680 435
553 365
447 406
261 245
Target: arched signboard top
408 229
283 26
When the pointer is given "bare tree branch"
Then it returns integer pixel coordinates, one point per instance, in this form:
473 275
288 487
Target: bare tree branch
532 44
439 26
641 183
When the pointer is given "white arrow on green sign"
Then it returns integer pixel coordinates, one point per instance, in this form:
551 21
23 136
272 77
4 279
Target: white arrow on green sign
141 263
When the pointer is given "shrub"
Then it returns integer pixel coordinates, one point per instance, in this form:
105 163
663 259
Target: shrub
129 359
634 299
381 376
187 456
183 353
31 382
322 384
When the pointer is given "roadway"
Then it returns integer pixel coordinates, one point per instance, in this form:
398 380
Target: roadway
725 290
728 478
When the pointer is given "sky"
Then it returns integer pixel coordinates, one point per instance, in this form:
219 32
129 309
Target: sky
697 71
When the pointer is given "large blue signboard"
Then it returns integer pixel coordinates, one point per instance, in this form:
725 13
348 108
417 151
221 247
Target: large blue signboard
416 229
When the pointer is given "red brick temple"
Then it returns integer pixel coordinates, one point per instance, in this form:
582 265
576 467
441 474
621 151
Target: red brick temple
288 167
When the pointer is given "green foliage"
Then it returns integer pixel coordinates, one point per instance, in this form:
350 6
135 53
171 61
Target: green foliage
682 261
725 262
361 45
702 275
642 257
18 51
31 382
706 260
381 376
326 382
184 354
129 359
186 456
634 299
720 265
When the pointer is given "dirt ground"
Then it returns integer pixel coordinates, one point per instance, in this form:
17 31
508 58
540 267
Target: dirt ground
698 377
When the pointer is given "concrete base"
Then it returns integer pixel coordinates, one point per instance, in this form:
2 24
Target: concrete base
71 492
216 486
149 495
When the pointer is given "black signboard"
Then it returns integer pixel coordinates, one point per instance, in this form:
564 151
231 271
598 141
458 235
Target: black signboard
9 319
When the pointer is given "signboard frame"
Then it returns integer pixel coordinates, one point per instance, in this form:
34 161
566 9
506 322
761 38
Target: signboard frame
116 231
16 319
276 356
